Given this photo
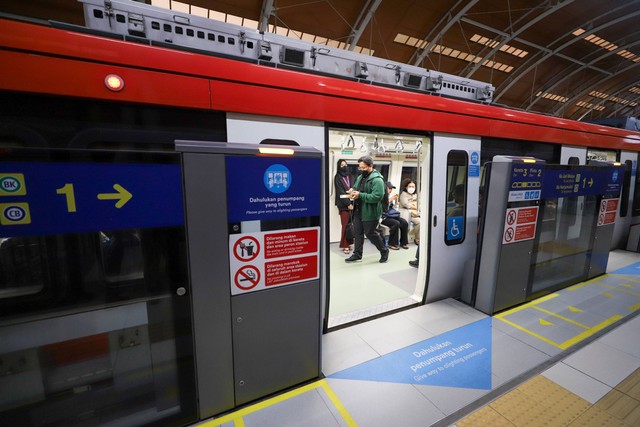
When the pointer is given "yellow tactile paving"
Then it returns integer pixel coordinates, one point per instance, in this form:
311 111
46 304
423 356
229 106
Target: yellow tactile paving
621 407
631 385
541 402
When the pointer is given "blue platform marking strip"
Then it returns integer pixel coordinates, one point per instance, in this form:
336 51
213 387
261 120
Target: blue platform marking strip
633 269
459 358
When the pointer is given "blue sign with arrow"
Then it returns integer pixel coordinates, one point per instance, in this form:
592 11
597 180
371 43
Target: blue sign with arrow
38 198
459 358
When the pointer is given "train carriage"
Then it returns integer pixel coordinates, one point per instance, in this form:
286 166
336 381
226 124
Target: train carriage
116 94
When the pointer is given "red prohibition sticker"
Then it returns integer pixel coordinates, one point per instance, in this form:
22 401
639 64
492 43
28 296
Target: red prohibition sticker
247 278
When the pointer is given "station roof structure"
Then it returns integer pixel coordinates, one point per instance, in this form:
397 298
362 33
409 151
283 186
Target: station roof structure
576 59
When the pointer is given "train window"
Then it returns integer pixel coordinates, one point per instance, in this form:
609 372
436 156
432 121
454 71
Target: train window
457 161
601 155
167 28
179 30
249 45
155 25
121 18
231 41
97 13
190 32
221 39
201 34
211 37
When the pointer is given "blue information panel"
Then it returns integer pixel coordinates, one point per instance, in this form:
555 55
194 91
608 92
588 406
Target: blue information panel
474 164
38 198
526 181
263 188
582 181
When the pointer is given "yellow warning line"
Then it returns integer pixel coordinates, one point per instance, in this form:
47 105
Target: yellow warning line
568 343
634 307
237 417
624 276
527 305
527 331
604 285
573 322
337 403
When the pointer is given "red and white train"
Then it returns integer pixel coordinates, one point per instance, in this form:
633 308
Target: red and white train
82 316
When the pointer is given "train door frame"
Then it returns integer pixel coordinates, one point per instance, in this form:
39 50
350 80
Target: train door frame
382 146
445 279
624 220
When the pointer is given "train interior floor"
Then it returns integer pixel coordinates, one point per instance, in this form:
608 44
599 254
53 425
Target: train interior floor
569 358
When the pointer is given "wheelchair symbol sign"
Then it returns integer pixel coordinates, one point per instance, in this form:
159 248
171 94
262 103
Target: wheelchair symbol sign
455 228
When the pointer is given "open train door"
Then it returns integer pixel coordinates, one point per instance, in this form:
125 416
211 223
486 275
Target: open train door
455 180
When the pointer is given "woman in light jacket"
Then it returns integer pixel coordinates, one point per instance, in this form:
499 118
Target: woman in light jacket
408 201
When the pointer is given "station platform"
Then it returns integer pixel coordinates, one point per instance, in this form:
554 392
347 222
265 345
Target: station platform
569 358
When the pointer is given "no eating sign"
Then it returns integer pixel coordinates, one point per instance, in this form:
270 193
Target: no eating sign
265 260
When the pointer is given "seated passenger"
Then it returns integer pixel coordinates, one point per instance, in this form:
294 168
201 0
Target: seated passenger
409 202
458 197
392 219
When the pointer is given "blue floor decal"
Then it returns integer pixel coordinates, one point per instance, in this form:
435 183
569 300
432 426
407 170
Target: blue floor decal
459 358
633 269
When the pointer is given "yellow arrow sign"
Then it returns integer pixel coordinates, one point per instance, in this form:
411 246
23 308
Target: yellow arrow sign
575 309
122 195
545 322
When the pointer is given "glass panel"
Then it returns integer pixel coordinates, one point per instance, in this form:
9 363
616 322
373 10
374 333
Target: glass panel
92 329
457 162
563 249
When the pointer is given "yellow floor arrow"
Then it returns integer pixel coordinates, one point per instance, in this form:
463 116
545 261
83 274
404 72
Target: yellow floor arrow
575 309
545 322
122 195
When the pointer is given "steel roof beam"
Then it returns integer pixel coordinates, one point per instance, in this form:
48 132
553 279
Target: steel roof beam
521 71
591 87
454 20
566 76
363 20
535 46
265 14
514 35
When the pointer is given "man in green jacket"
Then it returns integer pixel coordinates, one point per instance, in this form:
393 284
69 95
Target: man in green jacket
367 193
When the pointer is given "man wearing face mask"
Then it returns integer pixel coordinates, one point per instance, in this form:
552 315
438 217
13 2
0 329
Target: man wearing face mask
367 194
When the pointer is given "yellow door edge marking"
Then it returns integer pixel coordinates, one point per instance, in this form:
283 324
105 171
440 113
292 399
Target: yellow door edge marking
615 288
529 304
565 345
338 404
573 322
634 307
237 416
540 337
627 278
